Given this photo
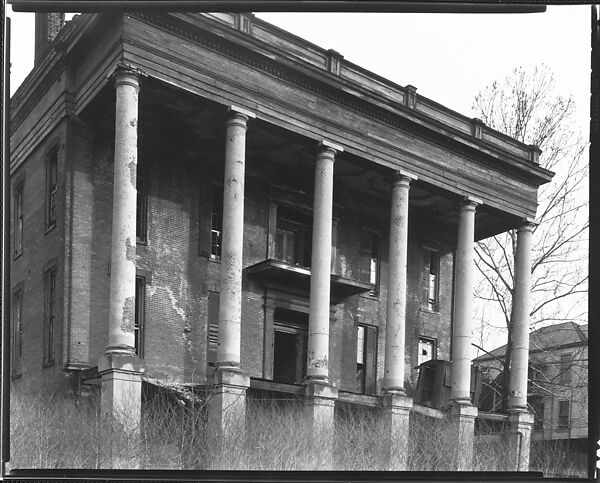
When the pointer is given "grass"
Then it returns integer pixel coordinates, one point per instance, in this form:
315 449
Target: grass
60 432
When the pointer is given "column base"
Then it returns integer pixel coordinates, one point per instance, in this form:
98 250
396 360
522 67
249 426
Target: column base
227 403
462 427
120 406
520 425
395 410
319 413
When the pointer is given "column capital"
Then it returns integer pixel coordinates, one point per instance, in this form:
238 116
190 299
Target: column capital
470 203
127 74
527 224
326 145
236 111
402 176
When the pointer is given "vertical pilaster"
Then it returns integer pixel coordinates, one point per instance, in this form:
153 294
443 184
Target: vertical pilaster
520 420
462 413
396 300
119 368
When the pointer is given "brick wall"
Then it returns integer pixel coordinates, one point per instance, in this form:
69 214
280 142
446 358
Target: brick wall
41 247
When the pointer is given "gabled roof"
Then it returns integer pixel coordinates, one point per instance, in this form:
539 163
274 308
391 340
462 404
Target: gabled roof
546 338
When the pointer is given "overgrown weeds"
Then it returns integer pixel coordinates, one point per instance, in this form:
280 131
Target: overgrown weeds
174 433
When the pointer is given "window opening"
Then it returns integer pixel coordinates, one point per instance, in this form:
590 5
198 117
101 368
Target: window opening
293 237
427 349
18 221
51 187
141 220
140 315
17 334
216 223
49 315
370 259
565 368
563 414
431 279
366 359
290 340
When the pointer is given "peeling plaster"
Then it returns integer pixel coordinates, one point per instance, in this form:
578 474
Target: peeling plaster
129 250
133 172
174 304
128 320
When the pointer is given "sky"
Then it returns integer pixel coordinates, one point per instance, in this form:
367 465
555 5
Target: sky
448 57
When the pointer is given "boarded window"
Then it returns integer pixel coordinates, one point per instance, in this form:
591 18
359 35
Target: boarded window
366 359
51 187
18 221
49 315
140 315
212 341
17 334
430 280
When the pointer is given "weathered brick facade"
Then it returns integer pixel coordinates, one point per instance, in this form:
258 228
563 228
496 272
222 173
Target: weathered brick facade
177 104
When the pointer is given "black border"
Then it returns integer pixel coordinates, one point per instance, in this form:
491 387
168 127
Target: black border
423 6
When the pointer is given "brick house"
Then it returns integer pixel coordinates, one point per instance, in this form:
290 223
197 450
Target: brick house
278 195
557 388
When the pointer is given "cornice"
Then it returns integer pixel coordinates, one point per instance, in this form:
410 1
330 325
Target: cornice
328 85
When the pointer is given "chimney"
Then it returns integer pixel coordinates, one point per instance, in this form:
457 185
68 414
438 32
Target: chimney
47 26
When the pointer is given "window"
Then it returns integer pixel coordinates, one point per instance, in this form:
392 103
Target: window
51 188
212 336
141 218
427 350
289 346
293 237
140 315
16 350
370 259
49 315
537 407
216 223
366 359
18 221
563 414
565 368
431 279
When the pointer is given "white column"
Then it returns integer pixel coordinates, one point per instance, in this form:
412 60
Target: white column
463 303
396 299
230 302
320 280
521 309
122 266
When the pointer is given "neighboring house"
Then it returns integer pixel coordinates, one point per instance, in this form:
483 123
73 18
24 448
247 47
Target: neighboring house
558 383
232 92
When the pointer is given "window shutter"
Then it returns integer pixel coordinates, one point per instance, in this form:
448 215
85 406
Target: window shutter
371 360
213 328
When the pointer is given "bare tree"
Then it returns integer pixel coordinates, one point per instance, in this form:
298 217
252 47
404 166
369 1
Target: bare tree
525 106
